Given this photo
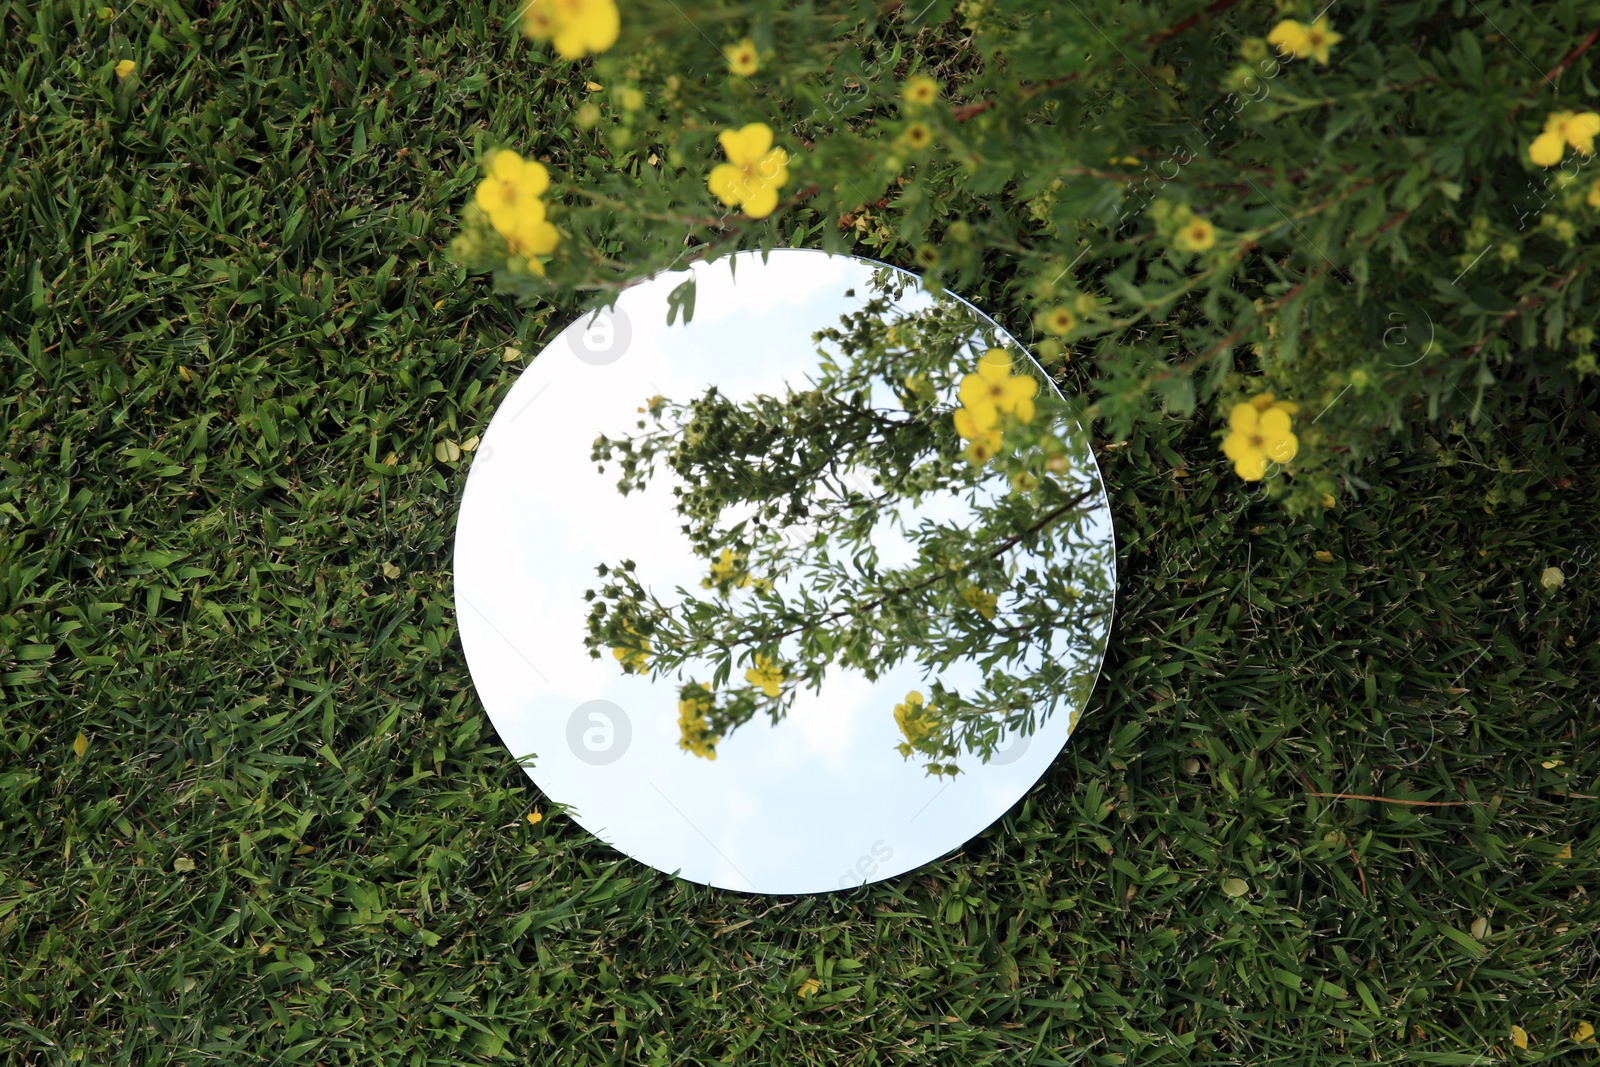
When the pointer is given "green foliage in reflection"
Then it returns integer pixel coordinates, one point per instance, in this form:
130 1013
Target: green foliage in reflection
792 499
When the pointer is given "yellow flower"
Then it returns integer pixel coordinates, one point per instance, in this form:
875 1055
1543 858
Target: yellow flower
1059 320
574 27
917 136
124 68
980 600
994 386
1266 401
511 185
974 423
983 448
919 91
1576 129
1593 199
1299 41
1023 482
1196 235
510 197
1320 38
695 733
633 658
742 58
1289 38
632 99
764 676
754 171
915 720
727 568
1547 149
1258 434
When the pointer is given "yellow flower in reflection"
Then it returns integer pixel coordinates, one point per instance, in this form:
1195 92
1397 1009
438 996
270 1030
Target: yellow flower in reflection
727 568
765 676
994 386
975 423
916 721
981 601
633 659
983 448
695 733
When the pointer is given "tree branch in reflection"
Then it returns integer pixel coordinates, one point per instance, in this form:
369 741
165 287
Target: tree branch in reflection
919 502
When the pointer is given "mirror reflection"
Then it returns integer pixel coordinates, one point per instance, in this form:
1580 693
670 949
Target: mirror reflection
797 594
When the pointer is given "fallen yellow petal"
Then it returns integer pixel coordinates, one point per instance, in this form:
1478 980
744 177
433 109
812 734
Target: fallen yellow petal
1583 1034
80 746
534 818
1519 1037
125 68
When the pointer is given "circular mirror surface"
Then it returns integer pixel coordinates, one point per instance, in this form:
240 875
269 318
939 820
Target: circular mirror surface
831 631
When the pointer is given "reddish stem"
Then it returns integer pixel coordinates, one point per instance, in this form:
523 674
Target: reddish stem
1178 27
1574 54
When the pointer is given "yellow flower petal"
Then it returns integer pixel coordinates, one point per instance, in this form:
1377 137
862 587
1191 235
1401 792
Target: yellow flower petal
1547 149
1519 1037
124 68
1282 449
1242 418
972 423
1252 466
773 166
1273 423
761 202
993 372
1289 38
724 183
746 145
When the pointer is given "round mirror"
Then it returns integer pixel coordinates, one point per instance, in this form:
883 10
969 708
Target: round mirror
784 575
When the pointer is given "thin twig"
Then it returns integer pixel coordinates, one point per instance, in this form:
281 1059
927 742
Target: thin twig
1574 54
1178 27
999 549
1396 800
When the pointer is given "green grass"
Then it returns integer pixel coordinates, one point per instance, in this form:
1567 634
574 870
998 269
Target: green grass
224 304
